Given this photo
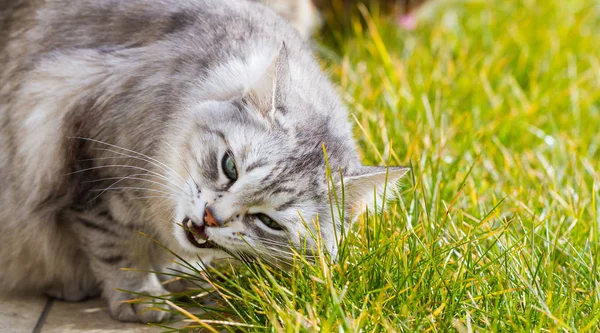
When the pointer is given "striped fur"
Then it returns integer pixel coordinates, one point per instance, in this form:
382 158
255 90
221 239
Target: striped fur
114 118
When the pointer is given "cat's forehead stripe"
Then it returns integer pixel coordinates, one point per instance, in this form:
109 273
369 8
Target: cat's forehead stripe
286 205
280 190
209 167
216 132
256 164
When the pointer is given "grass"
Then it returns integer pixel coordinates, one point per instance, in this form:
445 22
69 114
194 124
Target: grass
496 106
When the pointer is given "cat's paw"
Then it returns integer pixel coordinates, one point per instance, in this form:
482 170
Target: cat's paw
134 308
176 285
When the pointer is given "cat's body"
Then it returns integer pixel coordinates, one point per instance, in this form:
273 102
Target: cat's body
88 86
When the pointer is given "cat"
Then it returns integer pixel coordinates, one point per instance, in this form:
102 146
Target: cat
200 123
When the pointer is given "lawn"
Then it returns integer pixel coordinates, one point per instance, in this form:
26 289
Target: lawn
495 105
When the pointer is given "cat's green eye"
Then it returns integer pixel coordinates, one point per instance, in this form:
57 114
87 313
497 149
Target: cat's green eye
269 222
228 166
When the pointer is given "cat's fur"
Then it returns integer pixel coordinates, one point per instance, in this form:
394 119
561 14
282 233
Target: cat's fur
114 118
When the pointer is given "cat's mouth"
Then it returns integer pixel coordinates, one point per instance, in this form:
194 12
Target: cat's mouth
196 234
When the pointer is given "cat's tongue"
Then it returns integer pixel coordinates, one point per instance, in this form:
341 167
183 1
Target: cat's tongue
199 231
407 21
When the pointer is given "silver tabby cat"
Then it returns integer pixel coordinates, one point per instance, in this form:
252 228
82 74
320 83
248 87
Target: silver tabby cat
198 122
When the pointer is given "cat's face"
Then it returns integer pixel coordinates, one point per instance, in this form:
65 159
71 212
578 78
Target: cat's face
245 185
253 176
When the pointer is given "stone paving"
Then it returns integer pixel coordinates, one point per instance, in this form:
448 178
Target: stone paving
42 315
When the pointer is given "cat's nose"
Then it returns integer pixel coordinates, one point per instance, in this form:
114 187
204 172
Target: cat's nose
209 219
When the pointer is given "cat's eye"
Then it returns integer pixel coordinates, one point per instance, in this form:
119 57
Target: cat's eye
269 222
228 166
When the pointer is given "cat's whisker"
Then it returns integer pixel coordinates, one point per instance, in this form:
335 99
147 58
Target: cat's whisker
126 188
290 253
273 242
279 252
256 237
242 256
281 245
132 175
277 256
149 159
182 162
126 166
268 256
153 196
173 181
282 259
121 179
137 177
131 188
282 255
309 205
161 166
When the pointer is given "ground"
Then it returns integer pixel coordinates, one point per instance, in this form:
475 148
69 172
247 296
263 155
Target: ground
40 315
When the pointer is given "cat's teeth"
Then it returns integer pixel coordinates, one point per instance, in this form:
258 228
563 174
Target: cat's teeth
190 226
200 240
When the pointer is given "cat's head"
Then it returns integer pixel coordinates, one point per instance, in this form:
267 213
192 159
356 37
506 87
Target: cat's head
253 172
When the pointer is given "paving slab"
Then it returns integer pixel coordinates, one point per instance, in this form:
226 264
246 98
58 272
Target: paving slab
20 314
88 317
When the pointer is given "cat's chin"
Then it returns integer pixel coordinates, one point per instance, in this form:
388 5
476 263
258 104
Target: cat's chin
196 235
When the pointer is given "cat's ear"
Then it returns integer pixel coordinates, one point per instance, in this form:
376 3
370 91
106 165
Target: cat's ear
366 187
269 93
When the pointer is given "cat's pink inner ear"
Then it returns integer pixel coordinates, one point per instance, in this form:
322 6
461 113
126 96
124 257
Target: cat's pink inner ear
270 91
365 190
